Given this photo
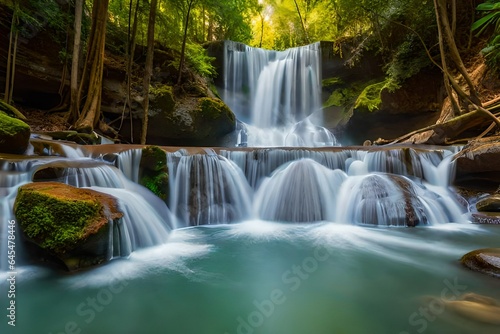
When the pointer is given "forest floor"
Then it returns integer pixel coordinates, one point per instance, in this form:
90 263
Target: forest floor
44 121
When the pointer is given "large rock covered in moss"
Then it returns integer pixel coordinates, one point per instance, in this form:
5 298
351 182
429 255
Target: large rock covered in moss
213 117
187 120
14 135
65 224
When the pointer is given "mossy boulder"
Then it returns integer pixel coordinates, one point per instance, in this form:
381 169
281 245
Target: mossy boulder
486 261
187 119
65 224
14 135
162 98
154 172
214 118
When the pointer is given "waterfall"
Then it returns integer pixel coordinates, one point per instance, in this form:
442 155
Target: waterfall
141 226
281 197
128 162
12 175
207 189
147 219
392 200
276 95
383 187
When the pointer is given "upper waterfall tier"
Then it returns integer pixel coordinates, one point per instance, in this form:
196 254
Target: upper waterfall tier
276 95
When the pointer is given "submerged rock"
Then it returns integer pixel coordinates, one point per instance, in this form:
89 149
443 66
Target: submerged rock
475 307
486 261
14 135
489 204
67 224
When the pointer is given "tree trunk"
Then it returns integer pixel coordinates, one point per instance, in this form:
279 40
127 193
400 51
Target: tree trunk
13 71
453 50
10 72
302 21
184 40
74 112
91 83
131 41
261 29
149 68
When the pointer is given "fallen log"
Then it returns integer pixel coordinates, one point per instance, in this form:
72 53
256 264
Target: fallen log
450 131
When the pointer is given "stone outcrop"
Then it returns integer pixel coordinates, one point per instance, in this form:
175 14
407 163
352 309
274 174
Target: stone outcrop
66 225
478 164
14 135
198 118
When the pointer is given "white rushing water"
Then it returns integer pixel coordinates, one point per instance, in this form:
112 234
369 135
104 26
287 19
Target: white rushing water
390 187
335 274
207 189
276 95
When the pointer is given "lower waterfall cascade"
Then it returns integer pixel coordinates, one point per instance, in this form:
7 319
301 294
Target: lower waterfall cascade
313 219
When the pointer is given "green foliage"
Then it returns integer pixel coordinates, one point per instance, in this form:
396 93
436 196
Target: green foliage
370 97
491 18
331 82
54 222
199 60
337 98
157 184
154 172
490 21
407 60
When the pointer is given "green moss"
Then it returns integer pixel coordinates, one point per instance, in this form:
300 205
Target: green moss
10 126
331 82
11 111
157 184
336 99
214 109
213 89
55 223
163 97
370 97
154 171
